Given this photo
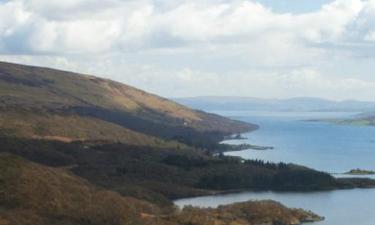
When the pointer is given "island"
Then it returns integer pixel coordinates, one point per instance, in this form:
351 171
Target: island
360 172
358 121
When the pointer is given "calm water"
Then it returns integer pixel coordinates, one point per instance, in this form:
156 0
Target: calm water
348 207
323 146
319 145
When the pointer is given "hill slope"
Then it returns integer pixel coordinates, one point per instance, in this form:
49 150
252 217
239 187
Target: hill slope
34 194
59 99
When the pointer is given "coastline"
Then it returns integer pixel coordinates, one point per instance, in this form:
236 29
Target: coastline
346 183
242 146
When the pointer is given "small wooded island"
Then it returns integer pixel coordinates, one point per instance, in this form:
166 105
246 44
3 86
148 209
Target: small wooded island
360 172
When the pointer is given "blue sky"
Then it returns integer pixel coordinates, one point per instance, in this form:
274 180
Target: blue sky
175 48
294 6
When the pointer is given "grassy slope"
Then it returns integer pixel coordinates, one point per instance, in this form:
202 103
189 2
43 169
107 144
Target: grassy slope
54 91
35 194
69 128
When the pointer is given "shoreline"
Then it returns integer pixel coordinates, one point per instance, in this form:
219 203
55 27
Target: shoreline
241 147
244 190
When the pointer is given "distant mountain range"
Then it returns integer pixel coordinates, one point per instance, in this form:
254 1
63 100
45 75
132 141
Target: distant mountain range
212 103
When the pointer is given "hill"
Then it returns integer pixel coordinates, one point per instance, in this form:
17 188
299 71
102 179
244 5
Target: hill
45 103
159 175
35 194
292 104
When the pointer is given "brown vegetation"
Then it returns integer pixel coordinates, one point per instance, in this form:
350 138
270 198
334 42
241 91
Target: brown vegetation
68 128
246 213
32 194
35 194
42 88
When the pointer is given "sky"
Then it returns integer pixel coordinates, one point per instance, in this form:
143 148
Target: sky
184 48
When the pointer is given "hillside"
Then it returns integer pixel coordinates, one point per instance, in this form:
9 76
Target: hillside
46 103
35 194
159 175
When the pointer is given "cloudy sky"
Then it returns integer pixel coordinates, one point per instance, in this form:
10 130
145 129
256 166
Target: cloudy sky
174 48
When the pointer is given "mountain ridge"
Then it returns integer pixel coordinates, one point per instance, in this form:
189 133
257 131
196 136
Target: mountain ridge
212 103
44 92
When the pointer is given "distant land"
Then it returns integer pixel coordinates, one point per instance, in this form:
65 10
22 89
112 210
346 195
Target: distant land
308 104
360 172
363 119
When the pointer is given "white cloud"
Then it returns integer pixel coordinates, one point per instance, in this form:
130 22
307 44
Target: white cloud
160 45
84 25
370 36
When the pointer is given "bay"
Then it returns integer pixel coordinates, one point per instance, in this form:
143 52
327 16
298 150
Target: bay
320 145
